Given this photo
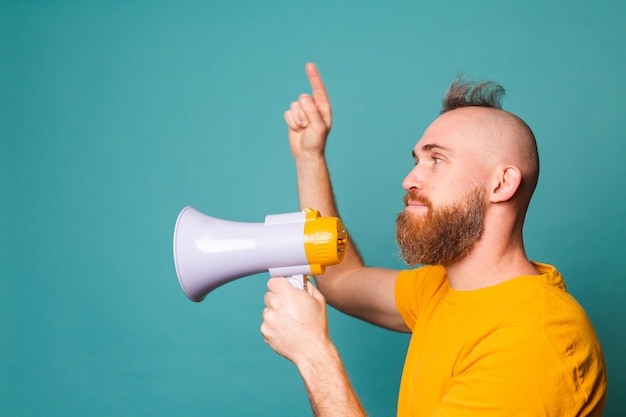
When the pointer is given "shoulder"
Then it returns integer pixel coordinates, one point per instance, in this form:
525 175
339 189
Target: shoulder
414 288
423 280
543 329
521 365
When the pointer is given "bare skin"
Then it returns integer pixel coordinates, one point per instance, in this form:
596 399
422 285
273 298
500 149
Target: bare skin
458 151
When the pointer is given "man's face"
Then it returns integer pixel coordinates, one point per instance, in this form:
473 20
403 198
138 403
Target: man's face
440 235
442 219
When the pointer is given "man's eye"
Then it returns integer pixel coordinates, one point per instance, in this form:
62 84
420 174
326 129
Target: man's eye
437 160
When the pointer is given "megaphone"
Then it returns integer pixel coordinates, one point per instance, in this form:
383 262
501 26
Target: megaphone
209 252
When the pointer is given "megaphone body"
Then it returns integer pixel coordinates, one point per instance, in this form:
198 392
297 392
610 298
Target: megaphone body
209 252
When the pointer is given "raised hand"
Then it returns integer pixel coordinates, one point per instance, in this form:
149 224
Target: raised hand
310 118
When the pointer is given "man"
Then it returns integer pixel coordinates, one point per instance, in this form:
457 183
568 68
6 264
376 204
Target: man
493 333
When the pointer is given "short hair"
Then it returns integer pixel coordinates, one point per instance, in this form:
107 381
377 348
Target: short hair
463 93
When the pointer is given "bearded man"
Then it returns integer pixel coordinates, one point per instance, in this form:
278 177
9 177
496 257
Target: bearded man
493 333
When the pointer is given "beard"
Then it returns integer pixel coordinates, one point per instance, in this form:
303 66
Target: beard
443 235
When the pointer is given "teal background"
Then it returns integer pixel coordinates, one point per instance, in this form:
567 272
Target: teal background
115 115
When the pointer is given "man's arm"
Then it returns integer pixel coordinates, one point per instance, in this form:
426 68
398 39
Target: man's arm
367 293
295 326
294 321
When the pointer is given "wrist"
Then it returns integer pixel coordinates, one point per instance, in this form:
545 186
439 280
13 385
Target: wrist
310 156
327 384
318 359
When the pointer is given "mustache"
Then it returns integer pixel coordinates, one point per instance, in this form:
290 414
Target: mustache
413 197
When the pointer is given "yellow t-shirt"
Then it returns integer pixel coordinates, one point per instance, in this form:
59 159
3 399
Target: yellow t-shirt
523 347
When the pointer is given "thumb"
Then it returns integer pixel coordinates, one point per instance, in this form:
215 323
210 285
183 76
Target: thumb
277 284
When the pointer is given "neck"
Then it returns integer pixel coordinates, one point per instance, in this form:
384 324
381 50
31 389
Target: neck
490 262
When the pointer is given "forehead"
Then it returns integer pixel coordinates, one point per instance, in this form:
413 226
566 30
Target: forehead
445 134
458 131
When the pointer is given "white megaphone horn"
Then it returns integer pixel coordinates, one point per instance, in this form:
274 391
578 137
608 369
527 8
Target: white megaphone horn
210 252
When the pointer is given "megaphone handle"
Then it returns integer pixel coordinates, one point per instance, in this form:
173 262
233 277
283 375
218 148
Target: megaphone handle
298 281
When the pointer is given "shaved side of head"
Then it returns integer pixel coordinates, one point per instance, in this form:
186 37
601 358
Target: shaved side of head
500 136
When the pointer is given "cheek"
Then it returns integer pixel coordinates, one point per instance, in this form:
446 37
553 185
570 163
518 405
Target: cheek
449 191
443 188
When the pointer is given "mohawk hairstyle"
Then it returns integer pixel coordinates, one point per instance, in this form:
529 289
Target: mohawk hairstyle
463 93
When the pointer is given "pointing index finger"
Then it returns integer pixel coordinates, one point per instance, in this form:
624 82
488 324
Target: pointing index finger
317 86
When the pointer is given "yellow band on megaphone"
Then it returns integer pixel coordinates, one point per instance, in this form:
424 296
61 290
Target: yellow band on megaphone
325 240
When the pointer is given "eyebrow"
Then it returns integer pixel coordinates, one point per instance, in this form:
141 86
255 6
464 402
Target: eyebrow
431 147
434 146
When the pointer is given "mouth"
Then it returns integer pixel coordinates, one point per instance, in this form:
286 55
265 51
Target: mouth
415 207
415 204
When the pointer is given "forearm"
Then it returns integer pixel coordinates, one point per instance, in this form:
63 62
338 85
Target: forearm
314 186
351 287
327 384
315 191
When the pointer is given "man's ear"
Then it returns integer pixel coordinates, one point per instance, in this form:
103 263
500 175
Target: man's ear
506 182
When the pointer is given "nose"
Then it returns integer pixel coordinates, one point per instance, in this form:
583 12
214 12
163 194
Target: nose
414 180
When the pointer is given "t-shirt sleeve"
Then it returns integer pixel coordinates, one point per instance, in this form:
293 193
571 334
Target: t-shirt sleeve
414 288
406 304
